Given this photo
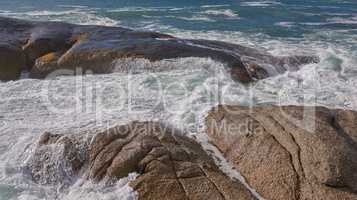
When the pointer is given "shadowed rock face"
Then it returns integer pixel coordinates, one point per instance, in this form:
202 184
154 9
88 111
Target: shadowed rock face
95 48
12 60
282 159
171 165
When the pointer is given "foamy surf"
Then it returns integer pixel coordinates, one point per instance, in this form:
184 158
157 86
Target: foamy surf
93 102
83 16
89 191
261 3
226 13
214 6
197 18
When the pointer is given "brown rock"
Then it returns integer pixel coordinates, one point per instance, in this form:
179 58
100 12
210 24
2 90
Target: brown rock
171 165
12 60
98 54
46 38
281 158
79 49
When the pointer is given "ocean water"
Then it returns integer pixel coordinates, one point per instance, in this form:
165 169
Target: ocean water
182 95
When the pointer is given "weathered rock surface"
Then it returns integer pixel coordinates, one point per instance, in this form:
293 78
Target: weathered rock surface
171 165
96 48
281 158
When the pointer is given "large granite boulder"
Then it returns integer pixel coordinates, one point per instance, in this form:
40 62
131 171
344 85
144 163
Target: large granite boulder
290 152
97 48
171 165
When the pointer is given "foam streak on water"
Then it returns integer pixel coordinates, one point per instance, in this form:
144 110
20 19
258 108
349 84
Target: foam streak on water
77 15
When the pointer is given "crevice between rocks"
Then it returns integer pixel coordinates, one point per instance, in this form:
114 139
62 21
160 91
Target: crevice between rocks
106 165
212 182
175 173
295 142
299 181
245 183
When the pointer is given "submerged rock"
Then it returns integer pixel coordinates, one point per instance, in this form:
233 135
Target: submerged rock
171 165
282 158
96 48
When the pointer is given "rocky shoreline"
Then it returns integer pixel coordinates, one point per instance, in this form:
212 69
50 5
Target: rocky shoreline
52 48
171 165
283 152
278 158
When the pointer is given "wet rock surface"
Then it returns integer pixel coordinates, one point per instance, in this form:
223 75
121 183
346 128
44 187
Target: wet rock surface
171 165
96 48
57 159
290 152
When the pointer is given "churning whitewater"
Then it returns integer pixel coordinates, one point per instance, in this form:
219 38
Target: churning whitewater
178 92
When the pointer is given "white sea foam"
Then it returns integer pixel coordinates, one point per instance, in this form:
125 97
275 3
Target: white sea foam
324 14
337 19
5 11
197 18
141 65
51 13
315 23
27 112
140 9
227 13
214 6
131 9
77 16
285 24
178 9
90 191
72 6
260 3
343 20
186 18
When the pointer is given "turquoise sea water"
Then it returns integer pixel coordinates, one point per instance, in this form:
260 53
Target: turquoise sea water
326 28
284 18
